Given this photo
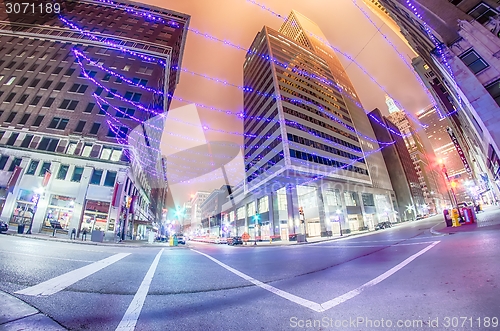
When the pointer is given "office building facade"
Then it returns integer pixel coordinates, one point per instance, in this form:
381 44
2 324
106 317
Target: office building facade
458 41
424 162
71 112
311 160
404 178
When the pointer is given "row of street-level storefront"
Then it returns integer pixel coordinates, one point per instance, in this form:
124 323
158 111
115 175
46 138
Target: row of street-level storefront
71 194
311 210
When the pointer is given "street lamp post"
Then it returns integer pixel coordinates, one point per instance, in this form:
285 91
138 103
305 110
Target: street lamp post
445 171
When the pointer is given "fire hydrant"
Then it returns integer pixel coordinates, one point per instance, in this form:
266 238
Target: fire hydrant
454 217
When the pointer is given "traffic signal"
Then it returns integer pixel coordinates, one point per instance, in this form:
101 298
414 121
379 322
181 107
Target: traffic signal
301 211
256 218
454 184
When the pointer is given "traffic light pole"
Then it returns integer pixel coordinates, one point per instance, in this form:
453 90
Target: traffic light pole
454 196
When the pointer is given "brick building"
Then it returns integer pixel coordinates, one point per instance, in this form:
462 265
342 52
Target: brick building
71 116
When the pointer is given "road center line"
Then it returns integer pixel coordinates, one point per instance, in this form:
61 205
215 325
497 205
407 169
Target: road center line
351 294
59 283
131 316
328 304
303 302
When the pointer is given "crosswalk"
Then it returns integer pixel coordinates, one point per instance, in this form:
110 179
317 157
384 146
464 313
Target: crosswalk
131 316
61 282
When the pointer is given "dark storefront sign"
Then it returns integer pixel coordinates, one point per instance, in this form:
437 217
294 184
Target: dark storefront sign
459 151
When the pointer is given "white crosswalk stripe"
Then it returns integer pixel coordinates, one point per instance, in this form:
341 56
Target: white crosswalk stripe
61 282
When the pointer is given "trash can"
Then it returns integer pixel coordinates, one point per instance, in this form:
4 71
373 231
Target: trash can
20 228
97 236
447 217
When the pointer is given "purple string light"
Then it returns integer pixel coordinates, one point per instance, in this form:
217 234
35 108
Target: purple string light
77 53
402 57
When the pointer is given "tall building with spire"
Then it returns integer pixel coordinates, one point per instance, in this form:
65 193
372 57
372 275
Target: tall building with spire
312 162
424 162
391 104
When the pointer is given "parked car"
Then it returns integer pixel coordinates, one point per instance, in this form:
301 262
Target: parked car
234 241
383 225
181 239
3 227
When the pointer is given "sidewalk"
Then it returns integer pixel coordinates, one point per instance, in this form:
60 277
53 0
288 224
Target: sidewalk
312 240
60 238
18 315
487 220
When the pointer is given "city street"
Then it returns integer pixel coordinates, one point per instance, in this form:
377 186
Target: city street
398 278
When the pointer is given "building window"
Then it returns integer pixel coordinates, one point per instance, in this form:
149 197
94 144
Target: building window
78 88
68 104
15 163
80 126
58 123
49 102
110 178
38 120
482 13
86 150
95 128
34 82
89 107
3 161
32 167
57 71
96 177
133 96
24 119
473 61
27 140
12 139
63 171
263 205
45 167
69 72
11 117
10 81
48 144
71 148
47 84
59 86
77 174
494 90
35 100
22 81
22 99
10 97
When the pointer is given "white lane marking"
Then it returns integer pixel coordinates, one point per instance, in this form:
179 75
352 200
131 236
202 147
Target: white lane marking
328 304
351 294
45 257
59 283
372 246
131 316
291 297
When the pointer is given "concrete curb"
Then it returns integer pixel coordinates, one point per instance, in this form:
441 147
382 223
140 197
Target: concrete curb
437 233
92 243
19 315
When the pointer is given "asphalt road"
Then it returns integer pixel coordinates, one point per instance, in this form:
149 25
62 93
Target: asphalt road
402 278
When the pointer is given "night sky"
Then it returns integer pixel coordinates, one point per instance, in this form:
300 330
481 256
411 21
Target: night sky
238 21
